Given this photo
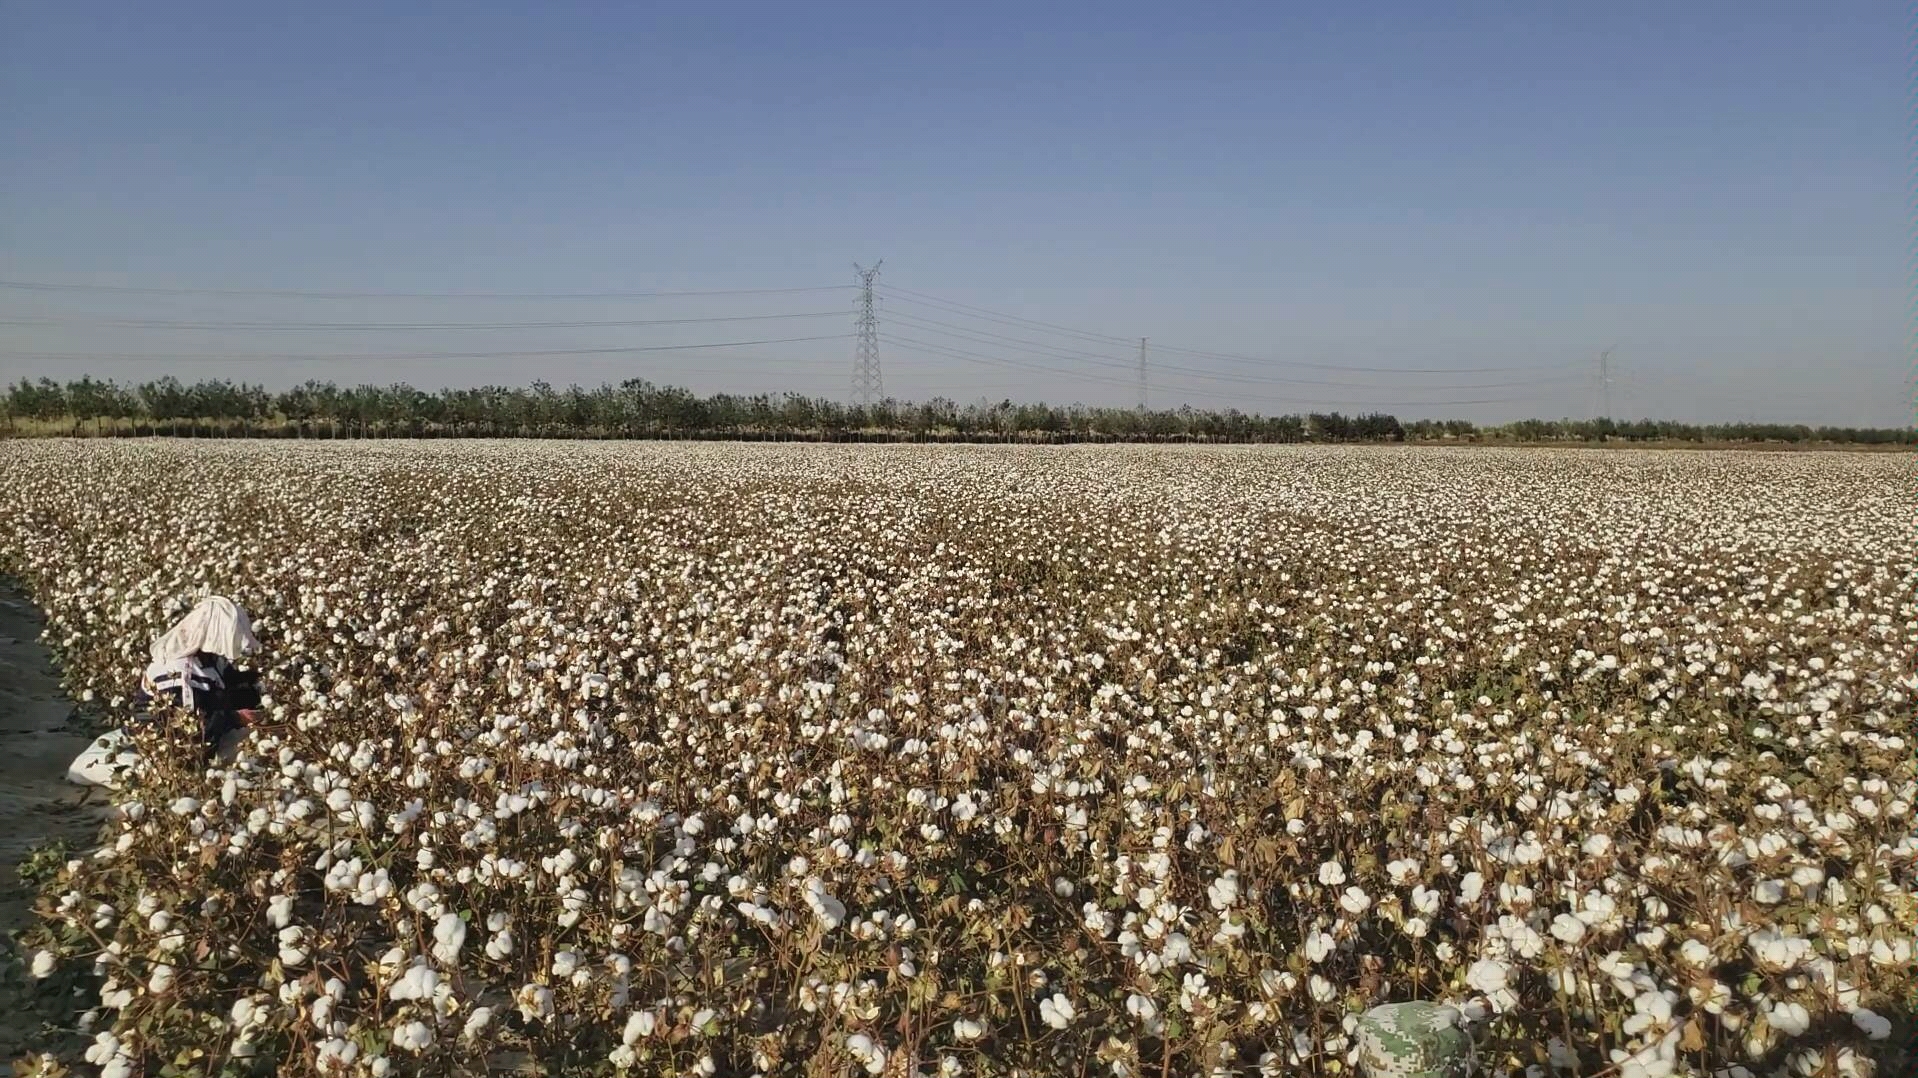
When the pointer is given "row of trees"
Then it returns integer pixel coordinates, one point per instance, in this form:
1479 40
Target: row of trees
639 409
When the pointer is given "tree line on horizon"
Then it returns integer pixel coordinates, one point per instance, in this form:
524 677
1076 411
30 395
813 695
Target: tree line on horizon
639 409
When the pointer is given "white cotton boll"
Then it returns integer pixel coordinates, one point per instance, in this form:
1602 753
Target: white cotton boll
1317 946
449 935
1776 952
1355 901
476 1023
1471 887
968 1029
535 1001
1890 952
1791 1019
1567 928
829 911
1871 1024
413 1037
184 806
43 964
292 953
1524 942
105 1046
279 910
161 979
1695 954
419 982
1768 892
863 1049
336 1055
1488 976
1332 874
1057 1011
639 1025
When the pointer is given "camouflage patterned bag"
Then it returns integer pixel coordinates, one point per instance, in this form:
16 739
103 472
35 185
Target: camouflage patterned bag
1414 1040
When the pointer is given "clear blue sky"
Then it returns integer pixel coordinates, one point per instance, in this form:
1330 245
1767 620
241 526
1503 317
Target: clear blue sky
1721 190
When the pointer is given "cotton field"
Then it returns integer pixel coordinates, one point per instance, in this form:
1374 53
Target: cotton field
716 759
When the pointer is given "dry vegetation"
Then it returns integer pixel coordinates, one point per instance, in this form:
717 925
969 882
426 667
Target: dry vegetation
717 759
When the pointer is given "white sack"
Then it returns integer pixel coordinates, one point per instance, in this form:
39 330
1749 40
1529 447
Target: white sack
102 762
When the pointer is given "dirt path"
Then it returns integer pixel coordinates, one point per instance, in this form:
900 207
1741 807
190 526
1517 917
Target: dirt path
39 736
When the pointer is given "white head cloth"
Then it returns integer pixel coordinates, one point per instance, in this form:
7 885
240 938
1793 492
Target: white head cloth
217 625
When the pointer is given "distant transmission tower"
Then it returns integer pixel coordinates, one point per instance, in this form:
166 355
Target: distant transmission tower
1142 398
1605 384
867 387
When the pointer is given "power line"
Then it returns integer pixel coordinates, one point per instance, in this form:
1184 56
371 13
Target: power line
987 314
1003 315
1234 357
160 323
1047 351
978 357
348 357
986 337
291 293
1008 319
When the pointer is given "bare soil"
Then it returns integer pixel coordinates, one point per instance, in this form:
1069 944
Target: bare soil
40 733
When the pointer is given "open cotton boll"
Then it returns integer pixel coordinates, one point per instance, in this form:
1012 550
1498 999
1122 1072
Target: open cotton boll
476 1023
418 982
968 1029
829 911
292 949
449 935
1791 1019
413 1036
1871 1024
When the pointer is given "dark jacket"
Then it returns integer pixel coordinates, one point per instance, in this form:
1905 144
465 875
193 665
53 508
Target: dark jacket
218 695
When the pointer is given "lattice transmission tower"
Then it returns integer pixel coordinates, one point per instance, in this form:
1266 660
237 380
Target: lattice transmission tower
868 388
1142 396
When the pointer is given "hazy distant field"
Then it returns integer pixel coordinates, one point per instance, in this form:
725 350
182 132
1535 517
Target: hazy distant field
719 759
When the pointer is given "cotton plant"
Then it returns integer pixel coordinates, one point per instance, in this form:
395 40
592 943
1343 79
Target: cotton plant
723 758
